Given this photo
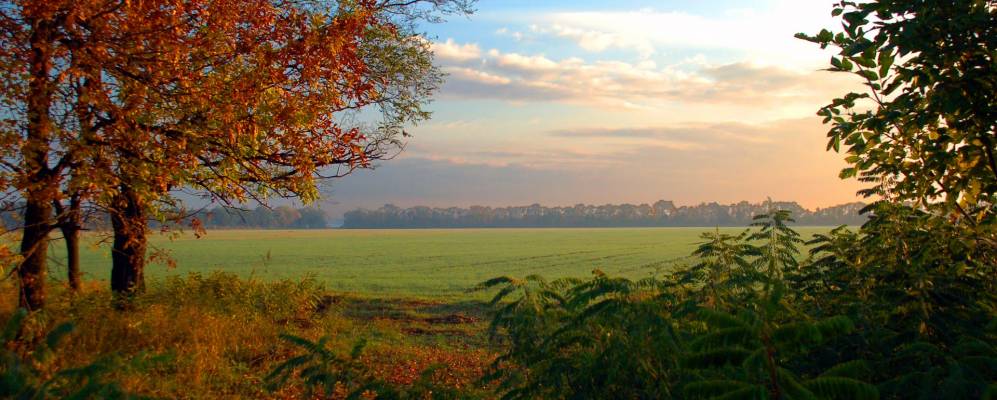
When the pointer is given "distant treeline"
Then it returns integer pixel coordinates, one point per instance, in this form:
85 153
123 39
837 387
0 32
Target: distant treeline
661 213
282 217
264 218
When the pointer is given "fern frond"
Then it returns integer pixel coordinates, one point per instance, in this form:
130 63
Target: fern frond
719 319
754 392
724 338
835 326
797 334
55 336
850 369
991 392
791 386
502 294
13 326
832 387
716 357
976 347
713 388
502 280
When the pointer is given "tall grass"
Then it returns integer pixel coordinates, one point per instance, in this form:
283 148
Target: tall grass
198 336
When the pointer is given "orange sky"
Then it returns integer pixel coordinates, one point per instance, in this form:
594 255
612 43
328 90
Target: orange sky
570 102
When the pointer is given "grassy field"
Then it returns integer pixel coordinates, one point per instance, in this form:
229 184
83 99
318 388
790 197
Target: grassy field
433 263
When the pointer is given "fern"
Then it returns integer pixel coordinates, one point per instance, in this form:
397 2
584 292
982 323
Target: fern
713 388
834 387
30 375
752 319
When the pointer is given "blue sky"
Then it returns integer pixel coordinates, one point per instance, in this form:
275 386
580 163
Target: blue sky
561 102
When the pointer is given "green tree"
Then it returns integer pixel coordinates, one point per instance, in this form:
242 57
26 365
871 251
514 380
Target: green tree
923 131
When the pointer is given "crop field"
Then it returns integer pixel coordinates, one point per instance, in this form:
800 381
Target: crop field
423 263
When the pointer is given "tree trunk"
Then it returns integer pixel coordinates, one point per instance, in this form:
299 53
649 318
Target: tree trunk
38 183
72 237
128 252
71 224
34 249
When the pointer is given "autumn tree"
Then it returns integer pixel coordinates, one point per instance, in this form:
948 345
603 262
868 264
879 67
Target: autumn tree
33 63
287 101
238 99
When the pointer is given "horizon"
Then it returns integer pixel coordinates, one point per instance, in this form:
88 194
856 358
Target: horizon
559 103
649 203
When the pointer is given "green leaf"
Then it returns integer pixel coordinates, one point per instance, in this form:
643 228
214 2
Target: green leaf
885 62
846 64
712 388
755 392
868 74
842 388
716 357
55 336
865 61
13 326
835 326
851 369
720 319
825 35
724 338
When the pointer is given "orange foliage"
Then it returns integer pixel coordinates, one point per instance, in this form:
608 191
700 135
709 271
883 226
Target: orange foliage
121 102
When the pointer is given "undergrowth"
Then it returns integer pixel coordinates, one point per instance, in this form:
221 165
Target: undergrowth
218 336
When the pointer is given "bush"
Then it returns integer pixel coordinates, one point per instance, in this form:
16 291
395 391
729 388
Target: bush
903 309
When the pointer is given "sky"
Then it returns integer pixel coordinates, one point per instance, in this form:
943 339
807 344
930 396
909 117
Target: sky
566 102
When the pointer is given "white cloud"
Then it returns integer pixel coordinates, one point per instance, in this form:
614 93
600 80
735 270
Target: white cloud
521 62
474 75
764 36
641 85
518 36
599 41
451 51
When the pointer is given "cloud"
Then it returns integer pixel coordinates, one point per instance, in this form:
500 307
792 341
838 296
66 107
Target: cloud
535 77
764 34
477 76
516 35
450 51
695 135
734 161
423 181
599 41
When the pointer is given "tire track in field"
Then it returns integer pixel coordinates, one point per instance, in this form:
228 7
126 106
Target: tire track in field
655 264
511 270
465 270
531 258
532 269
500 261
624 271
516 266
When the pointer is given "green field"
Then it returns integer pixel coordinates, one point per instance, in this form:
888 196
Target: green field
435 262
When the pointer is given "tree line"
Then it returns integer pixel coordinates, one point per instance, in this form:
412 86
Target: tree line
280 217
264 218
661 213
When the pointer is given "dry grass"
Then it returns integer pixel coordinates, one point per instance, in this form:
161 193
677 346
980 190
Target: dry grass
217 336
